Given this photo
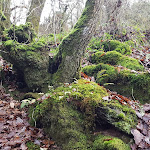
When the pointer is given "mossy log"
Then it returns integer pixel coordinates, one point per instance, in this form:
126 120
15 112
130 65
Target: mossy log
39 69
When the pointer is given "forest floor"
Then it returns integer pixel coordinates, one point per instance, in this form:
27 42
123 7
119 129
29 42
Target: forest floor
16 132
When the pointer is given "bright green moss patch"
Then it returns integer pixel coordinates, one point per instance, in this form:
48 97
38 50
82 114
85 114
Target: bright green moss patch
103 73
109 143
120 116
10 45
118 46
115 58
110 45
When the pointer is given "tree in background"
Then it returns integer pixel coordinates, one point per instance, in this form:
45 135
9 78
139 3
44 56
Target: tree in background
5 8
62 18
35 12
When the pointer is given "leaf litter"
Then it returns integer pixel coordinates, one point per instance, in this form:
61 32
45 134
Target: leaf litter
15 131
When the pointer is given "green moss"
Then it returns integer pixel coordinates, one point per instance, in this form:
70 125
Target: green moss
103 73
32 146
10 45
95 43
22 33
109 143
115 58
32 95
126 82
117 46
111 45
60 118
68 115
121 116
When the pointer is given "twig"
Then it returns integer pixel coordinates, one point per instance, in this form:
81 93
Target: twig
132 94
141 63
33 117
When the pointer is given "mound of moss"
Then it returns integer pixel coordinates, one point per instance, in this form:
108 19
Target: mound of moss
110 45
109 143
22 33
114 45
115 58
126 82
68 115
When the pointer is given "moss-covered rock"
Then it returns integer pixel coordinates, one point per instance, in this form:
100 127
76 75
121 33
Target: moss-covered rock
68 115
118 46
22 33
32 60
110 45
120 116
109 143
115 58
127 82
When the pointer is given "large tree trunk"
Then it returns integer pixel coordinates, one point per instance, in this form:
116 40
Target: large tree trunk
35 12
112 9
40 71
71 50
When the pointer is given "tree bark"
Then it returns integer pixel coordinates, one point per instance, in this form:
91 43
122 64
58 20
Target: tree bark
5 9
112 9
40 71
66 64
35 12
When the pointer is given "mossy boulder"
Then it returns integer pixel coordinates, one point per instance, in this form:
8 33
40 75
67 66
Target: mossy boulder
116 45
115 58
125 81
22 33
109 143
110 45
120 116
32 60
68 115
